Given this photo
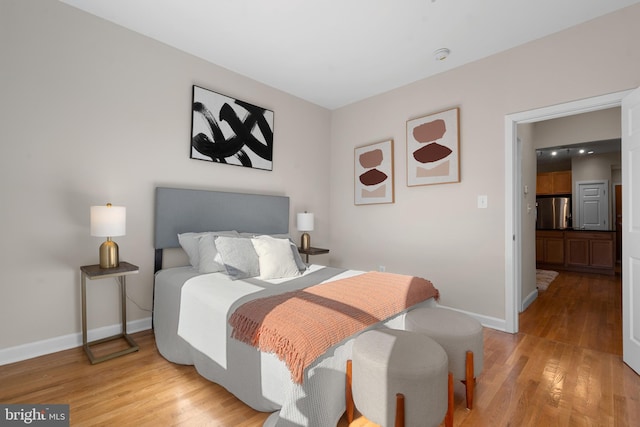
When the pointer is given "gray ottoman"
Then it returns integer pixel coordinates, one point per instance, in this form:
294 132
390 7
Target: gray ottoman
460 336
390 367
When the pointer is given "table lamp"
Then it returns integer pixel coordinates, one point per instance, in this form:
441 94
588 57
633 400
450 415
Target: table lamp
305 223
108 221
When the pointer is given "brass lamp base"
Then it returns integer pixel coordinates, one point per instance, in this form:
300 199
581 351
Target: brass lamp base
305 242
109 254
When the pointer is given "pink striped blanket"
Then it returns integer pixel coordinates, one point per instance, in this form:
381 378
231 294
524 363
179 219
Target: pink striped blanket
300 326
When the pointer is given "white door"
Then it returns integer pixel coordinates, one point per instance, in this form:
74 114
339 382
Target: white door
593 205
631 230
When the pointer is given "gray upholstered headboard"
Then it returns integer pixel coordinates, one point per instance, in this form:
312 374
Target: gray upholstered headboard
183 210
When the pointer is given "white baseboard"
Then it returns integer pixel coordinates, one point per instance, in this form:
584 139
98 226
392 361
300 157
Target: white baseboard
529 299
53 345
488 321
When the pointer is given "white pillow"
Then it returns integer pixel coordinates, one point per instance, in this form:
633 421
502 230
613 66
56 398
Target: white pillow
239 257
189 242
210 259
275 257
275 236
294 249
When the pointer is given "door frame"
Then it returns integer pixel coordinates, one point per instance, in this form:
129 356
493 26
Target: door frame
513 195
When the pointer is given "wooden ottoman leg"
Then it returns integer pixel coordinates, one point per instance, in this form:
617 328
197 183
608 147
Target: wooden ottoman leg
470 382
348 393
399 410
448 418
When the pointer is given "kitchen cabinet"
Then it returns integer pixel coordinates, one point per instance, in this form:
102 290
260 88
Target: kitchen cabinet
548 183
585 251
550 247
591 251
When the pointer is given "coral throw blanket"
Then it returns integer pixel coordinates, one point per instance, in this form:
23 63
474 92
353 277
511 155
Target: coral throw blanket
299 326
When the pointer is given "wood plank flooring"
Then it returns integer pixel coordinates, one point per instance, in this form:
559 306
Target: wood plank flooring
578 309
563 369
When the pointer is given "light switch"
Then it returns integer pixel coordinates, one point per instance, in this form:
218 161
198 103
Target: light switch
482 202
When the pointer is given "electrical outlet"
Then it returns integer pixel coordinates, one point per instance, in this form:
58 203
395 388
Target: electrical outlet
382 268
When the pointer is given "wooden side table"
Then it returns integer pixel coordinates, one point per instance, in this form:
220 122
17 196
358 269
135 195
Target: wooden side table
312 251
119 273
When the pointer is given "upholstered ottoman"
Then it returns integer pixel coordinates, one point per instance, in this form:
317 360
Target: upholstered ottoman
460 336
390 368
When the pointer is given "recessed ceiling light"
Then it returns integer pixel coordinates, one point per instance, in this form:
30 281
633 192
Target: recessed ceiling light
553 153
581 151
441 54
590 152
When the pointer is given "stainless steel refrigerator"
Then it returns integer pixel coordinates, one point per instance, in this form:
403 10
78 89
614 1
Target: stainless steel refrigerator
553 213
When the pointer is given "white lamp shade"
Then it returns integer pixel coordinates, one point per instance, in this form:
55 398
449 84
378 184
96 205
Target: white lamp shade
305 221
108 221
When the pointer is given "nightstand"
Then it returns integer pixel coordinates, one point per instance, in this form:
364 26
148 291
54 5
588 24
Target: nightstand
119 273
312 251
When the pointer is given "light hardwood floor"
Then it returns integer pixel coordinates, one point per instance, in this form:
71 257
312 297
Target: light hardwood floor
563 369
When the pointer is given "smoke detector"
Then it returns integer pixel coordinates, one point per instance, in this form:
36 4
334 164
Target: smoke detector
441 54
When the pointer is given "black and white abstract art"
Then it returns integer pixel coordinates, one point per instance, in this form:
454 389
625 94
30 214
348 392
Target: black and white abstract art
227 130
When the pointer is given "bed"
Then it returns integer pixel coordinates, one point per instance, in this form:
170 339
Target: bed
192 309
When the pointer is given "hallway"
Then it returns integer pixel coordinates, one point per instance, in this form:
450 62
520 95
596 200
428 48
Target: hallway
584 310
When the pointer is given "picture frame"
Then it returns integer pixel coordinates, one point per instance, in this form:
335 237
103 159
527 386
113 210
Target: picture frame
230 131
373 173
433 148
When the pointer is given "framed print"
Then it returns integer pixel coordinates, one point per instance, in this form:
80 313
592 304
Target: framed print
433 149
227 130
373 168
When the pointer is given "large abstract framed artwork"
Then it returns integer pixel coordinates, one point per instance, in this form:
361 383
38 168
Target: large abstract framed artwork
374 173
227 130
433 149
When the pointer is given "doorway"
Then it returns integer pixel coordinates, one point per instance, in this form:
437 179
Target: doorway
513 196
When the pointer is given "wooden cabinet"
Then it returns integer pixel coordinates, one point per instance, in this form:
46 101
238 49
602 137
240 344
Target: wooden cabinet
578 251
553 183
591 250
544 184
550 247
585 251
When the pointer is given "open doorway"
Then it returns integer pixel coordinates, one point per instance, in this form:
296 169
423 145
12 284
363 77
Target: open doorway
567 164
573 199
514 192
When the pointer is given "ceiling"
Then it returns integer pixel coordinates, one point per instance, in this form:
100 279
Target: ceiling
564 153
336 52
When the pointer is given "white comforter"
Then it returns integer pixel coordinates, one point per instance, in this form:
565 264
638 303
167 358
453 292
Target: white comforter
200 335
208 301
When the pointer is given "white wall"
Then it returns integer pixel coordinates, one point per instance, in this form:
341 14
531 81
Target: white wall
595 167
93 113
599 125
437 231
